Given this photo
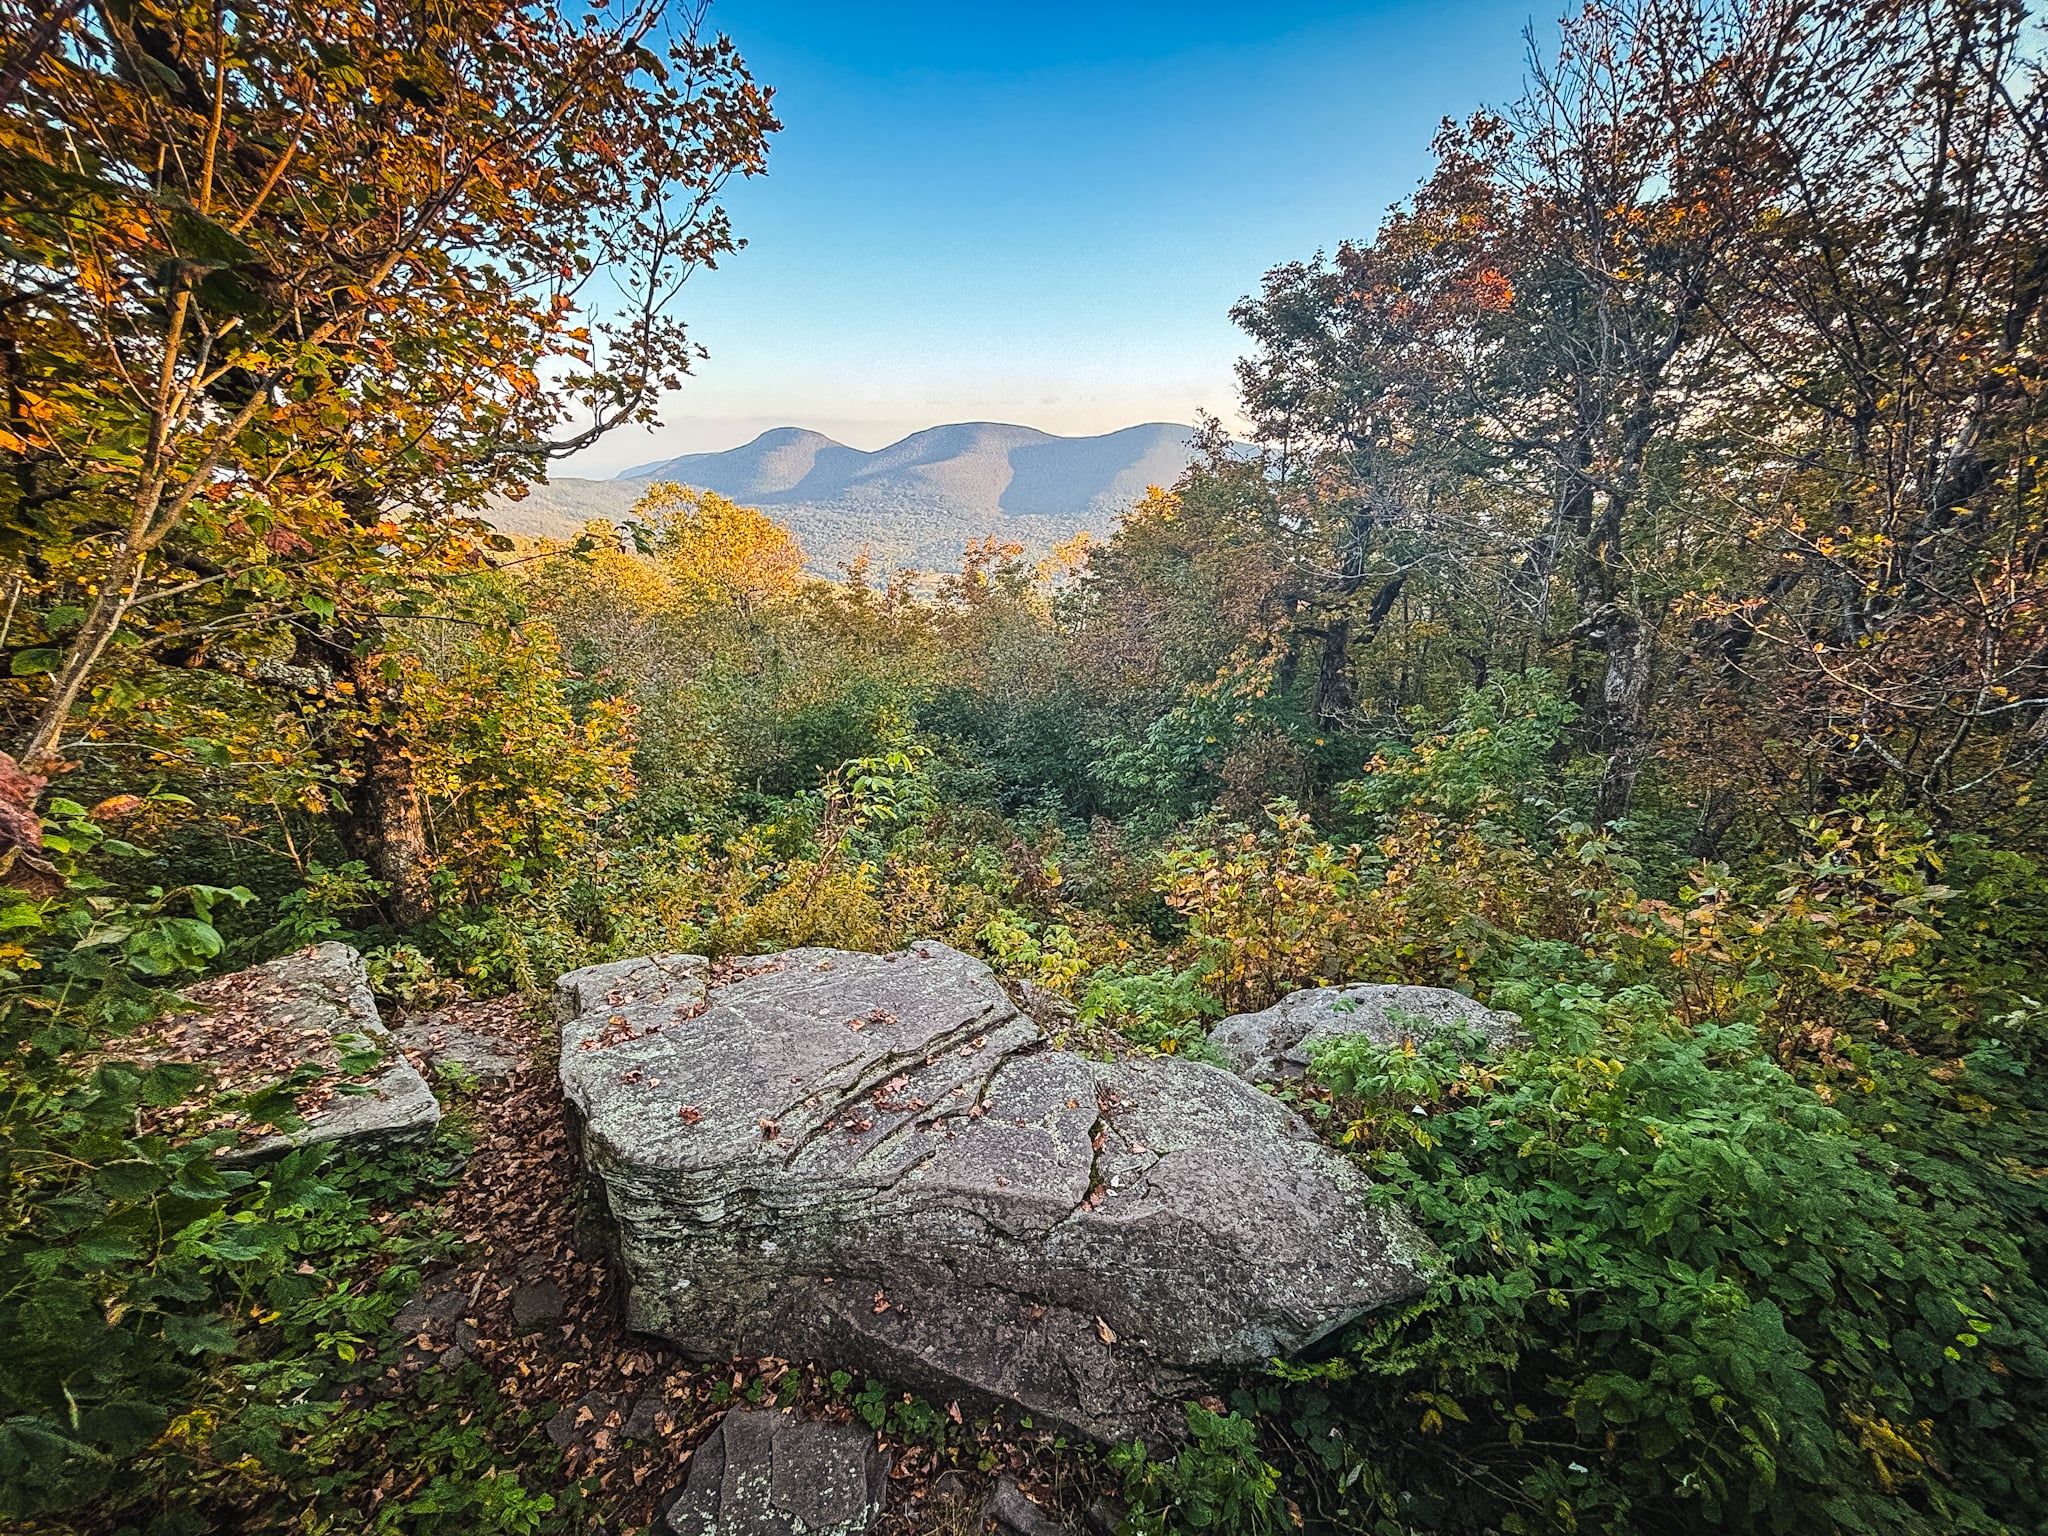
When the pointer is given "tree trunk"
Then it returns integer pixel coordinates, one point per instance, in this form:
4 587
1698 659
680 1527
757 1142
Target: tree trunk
386 827
1333 700
109 607
382 821
385 824
1630 644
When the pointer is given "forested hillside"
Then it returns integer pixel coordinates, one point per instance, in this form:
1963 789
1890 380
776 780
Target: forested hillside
1633 616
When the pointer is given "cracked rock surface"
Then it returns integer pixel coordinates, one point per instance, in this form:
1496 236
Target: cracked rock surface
1276 1043
876 1161
764 1473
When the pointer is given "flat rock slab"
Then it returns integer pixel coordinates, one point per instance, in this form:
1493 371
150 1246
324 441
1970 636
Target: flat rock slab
1277 1043
463 1038
878 1162
769 1473
312 1009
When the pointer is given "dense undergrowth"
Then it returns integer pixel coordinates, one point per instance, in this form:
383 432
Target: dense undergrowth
1747 1233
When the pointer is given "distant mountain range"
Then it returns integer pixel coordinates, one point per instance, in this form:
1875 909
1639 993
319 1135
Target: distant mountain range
916 502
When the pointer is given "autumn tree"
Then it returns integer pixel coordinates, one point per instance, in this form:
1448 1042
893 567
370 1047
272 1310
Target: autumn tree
1501 373
1894 613
282 280
711 552
1681 376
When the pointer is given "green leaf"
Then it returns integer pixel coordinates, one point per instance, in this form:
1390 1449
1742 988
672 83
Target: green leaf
206 1333
165 945
168 1082
199 1180
242 1242
21 914
323 607
134 1179
37 659
196 236
103 1248
176 1281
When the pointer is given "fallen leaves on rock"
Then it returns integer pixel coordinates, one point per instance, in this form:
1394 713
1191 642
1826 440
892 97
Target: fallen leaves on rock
246 1038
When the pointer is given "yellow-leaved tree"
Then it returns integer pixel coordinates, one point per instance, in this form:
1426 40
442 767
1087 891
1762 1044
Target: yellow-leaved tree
711 552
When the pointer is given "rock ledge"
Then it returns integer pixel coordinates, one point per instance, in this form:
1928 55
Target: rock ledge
311 1007
876 1161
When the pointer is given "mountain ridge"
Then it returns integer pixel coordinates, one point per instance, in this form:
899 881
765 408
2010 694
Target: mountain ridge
917 501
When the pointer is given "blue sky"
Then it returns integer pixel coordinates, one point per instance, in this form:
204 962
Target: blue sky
1043 213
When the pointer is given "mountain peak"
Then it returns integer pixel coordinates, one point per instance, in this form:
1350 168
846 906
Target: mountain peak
776 437
928 446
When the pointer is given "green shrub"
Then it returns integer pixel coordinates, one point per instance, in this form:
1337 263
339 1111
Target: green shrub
1162 1009
1216 1482
1678 1291
144 1288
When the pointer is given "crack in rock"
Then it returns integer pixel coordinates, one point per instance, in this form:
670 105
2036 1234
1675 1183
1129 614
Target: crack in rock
1006 1223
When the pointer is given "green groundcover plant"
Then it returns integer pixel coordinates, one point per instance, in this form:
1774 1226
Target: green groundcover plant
1675 1290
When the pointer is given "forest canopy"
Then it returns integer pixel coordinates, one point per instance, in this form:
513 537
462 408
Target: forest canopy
1629 610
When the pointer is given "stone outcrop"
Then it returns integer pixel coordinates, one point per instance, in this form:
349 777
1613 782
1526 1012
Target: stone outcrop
769 1473
877 1161
311 1008
1277 1043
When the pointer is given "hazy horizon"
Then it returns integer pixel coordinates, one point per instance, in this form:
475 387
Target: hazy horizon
866 436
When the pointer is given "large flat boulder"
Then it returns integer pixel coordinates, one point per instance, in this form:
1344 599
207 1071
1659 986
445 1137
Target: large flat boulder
878 1162
1277 1043
307 1019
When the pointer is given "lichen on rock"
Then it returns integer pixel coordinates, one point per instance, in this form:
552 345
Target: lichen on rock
879 1162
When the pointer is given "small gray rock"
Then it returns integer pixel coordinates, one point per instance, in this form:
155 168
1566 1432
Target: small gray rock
535 1304
643 1421
766 1472
588 1416
1276 1043
1015 1515
949 1486
432 1322
1106 1516
443 1041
